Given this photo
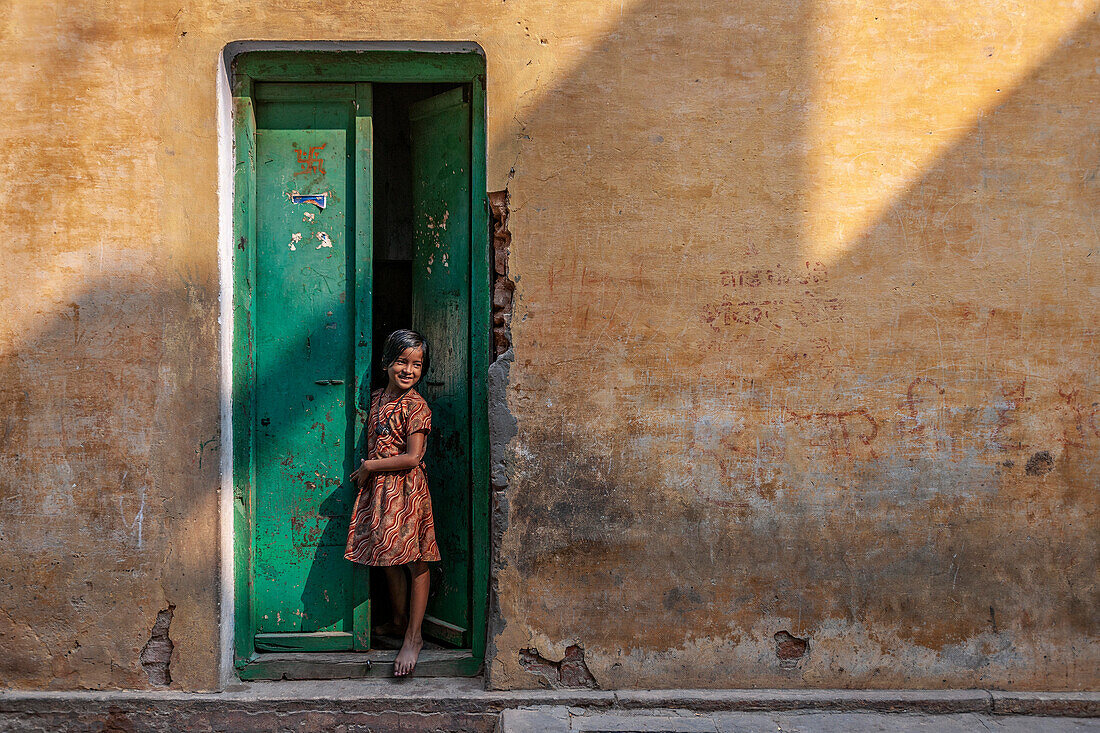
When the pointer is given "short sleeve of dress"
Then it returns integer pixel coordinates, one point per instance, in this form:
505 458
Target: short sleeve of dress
420 417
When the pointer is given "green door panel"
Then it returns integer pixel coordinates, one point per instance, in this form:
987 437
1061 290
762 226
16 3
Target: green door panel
310 316
302 337
305 321
440 129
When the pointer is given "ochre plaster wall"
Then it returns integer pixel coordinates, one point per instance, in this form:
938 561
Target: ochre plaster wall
804 335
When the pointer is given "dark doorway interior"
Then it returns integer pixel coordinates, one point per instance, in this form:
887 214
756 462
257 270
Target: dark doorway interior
393 258
393 213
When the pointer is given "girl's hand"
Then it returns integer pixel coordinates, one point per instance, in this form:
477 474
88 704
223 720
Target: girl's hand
361 475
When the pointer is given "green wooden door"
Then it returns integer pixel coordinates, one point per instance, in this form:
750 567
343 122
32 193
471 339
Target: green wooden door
311 302
440 130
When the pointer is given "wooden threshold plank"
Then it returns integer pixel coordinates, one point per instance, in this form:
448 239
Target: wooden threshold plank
323 641
353 665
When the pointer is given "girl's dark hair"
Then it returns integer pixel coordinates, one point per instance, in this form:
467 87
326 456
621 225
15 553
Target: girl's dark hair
398 341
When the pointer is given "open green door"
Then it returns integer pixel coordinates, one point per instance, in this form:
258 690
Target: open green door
311 305
440 129
309 227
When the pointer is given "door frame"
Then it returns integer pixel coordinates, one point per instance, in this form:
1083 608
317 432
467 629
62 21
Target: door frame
373 66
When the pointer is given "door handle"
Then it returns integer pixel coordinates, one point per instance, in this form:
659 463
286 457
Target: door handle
328 382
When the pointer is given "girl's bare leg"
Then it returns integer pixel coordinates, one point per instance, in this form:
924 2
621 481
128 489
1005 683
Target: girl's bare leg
399 601
418 603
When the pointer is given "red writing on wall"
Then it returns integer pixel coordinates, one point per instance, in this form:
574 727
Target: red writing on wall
840 432
1083 423
811 273
805 311
764 296
1007 432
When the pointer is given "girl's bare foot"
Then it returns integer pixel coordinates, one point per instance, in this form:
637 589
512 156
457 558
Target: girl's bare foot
406 658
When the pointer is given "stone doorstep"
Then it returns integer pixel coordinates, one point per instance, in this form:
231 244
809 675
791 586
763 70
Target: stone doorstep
458 695
576 720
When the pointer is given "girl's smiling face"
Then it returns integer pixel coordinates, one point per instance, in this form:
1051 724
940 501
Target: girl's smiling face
405 371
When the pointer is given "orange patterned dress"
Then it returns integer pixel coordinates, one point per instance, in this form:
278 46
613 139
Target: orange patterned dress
392 521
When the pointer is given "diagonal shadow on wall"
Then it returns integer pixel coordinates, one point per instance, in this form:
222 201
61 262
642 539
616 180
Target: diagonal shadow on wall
835 443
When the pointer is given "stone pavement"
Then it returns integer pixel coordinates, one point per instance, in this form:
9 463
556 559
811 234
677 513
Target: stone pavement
441 704
579 720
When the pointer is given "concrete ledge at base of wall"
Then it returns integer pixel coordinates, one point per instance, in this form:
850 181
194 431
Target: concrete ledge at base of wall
577 720
468 696
1078 704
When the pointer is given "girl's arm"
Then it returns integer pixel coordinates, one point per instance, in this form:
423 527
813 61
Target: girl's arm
411 458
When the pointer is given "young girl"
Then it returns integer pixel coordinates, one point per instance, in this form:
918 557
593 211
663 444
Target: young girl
391 525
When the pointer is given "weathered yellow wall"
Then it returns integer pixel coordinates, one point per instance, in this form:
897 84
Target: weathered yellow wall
804 293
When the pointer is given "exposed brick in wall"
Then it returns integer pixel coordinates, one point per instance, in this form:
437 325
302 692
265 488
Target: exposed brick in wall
569 671
156 655
503 287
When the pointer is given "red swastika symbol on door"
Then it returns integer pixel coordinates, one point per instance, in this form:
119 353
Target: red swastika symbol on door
311 163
